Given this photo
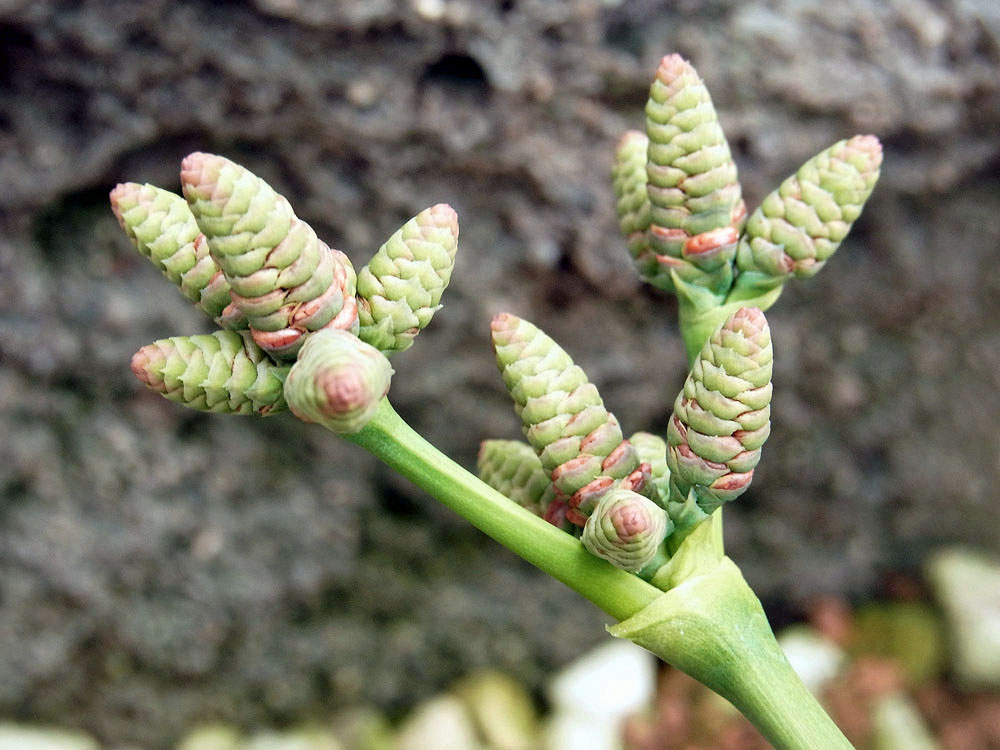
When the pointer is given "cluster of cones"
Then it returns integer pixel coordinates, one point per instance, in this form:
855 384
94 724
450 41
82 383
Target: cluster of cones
286 303
681 210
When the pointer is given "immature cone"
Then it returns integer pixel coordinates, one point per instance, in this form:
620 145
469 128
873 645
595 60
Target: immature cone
577 440
284 279
221 372
632 202
722 416
337 381
162 227
626 529
652 450
802 223
400 288
512 468
696 204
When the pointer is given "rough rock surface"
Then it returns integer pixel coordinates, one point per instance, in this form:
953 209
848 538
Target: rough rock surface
159 567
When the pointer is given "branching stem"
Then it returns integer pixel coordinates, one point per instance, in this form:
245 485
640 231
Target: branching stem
709 624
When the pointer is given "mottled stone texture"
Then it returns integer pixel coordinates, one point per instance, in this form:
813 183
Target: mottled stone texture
158 566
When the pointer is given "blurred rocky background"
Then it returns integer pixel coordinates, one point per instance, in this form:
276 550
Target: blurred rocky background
159 567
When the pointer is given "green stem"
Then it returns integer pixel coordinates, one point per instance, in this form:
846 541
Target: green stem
559 554
710 624
712 627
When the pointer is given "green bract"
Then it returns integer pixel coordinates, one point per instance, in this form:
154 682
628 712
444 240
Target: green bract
286 280
337 381
222 372
400 288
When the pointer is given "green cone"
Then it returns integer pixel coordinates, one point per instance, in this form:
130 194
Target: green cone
337 381
221 372
284 279
512 469
652 450
162 227
696 203
722 416
799 226
626 529
400 288
577 440
632 202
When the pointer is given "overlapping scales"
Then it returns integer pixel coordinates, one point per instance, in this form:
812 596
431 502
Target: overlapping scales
223 372
696 204
632 202
337 381
721 417
162 227
283 278
800 225
400 288
626 529
513 469
577 440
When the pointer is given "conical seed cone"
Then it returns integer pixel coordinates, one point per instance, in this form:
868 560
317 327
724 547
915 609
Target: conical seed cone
722 416
632 202
400 288
800 225
287 281
652 450
512 468
626 529
162 227
221 372
577 440
696 203
337 381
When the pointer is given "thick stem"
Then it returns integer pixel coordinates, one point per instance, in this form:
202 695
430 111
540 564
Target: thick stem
712 627
709 625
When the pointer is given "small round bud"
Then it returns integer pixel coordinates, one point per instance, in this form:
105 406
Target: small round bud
626 529
338 381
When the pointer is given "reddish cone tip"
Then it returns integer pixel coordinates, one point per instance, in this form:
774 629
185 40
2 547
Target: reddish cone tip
629 137
344 390
144 362
193 168
502 320
445 216
749 320
629 521
139 361
869 143
502 328
671 67
116 195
